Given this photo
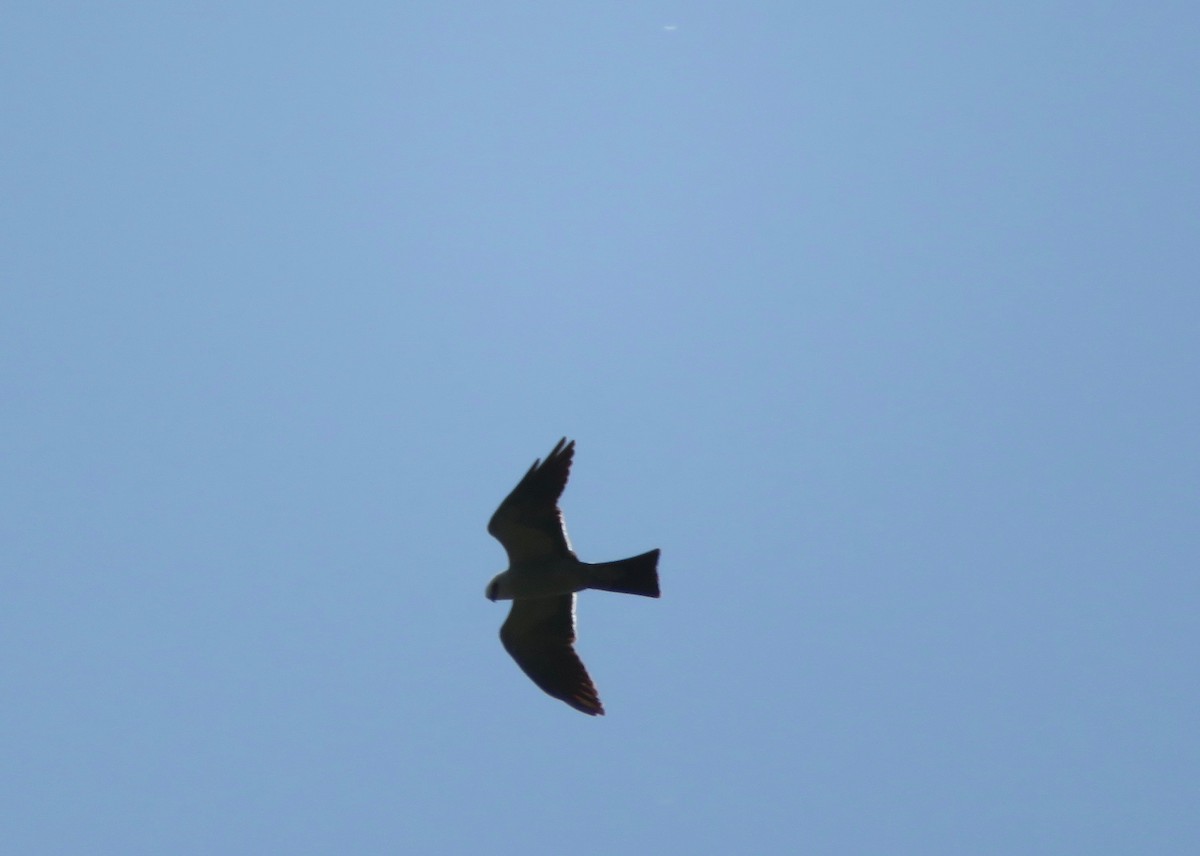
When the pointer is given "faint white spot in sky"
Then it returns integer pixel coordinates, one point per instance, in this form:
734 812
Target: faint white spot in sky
670 27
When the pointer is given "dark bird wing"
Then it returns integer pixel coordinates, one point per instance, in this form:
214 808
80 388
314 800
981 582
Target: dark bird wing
528 523
539 633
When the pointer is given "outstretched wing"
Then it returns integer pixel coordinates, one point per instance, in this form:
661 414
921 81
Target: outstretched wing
539 634
528 522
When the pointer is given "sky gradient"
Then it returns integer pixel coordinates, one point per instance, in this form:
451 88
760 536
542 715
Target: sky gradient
882 321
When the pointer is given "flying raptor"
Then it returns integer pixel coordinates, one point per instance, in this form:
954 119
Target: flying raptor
543 576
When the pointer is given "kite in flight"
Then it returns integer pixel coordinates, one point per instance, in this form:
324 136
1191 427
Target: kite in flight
543 576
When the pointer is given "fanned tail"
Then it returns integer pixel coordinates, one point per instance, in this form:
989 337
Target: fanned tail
636 575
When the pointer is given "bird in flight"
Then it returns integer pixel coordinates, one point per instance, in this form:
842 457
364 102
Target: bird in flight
543 577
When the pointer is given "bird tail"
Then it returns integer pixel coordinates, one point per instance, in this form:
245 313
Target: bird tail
638 575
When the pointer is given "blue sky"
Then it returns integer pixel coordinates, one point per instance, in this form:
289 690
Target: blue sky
881 320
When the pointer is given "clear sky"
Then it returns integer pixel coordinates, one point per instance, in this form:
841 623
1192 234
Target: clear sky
882 320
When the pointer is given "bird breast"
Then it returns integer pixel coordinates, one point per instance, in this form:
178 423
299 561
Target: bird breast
543 579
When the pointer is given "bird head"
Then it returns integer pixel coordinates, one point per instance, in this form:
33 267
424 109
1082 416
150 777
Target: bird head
495 591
